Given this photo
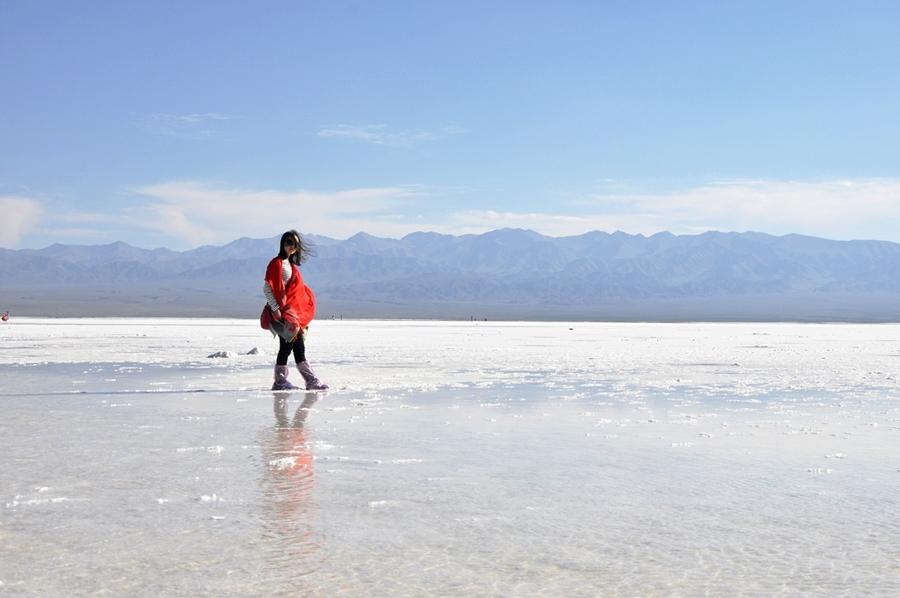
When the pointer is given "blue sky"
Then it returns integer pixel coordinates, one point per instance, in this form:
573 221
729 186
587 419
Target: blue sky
185 123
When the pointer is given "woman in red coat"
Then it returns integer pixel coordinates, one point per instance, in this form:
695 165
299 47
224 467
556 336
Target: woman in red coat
293 307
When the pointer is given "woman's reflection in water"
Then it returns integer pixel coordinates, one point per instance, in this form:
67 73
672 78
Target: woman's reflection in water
287 485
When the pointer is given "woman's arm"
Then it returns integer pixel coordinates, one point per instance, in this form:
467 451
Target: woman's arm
270 298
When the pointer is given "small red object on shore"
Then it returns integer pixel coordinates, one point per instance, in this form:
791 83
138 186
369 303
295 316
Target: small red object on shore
5 316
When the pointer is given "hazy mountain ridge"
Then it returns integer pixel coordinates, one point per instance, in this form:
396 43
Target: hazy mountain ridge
507 267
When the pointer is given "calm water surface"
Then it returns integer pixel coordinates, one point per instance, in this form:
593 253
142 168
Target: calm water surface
121 478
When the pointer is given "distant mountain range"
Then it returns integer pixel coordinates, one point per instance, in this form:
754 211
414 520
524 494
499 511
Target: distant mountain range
506 273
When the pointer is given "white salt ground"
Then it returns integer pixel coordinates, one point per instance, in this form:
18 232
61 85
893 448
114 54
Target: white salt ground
575 459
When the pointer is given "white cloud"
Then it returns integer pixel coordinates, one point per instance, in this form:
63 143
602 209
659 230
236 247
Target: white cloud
191 125
844 209
838 209
18 215
383 135
198 213
183 214
194 118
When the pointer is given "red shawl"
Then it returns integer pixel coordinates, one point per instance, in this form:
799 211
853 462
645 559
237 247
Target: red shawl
296 300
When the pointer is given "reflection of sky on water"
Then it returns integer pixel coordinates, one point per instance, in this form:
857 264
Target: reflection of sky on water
679 467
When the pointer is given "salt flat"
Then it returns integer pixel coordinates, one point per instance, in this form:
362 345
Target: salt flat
450 458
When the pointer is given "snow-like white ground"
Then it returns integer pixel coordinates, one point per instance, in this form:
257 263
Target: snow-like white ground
450 458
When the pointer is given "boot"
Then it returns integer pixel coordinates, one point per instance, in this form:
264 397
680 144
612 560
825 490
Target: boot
281 379
312 383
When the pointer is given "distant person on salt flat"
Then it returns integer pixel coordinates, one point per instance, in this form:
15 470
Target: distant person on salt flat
290 307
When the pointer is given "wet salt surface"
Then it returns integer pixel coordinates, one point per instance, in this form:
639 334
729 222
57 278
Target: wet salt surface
450 458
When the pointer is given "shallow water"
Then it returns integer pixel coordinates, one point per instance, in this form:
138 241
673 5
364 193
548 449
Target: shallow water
450 458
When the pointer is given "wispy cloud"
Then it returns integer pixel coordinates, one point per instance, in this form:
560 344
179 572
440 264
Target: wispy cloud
841 209
837 208
18 215
384 135
197 212
192 125
195 118
182 214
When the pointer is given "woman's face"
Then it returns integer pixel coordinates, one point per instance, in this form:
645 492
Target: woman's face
290 247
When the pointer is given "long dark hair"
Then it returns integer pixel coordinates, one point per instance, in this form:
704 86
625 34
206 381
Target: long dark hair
304 249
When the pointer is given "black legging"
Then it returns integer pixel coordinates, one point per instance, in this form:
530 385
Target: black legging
285 348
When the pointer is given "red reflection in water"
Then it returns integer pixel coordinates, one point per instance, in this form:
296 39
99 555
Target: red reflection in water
287 486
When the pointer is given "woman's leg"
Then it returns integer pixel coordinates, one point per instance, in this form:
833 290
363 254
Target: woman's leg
312 382
299 349
281 367
284 349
